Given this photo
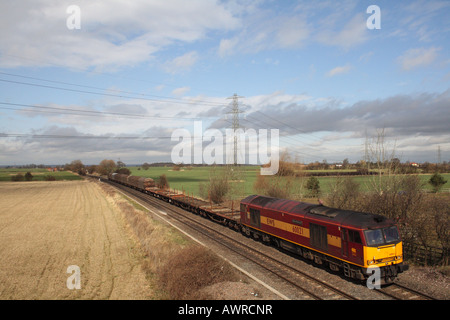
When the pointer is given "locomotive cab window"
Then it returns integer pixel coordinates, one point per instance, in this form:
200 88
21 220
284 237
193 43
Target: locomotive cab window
354 236
382 236
391 234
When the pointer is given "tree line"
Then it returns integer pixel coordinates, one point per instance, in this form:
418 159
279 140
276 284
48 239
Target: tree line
105 167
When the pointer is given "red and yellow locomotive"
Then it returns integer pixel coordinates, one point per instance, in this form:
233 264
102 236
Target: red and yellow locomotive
344 240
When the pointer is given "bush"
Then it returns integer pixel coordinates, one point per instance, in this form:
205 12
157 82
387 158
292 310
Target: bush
276 186
192 269
218 189
437 181
313 185
163 182
344 194
123 171
17 177
28 176
49 178
218 185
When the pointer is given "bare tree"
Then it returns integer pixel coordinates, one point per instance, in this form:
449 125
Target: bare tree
381 155
218 185
344 194
106 167
288 183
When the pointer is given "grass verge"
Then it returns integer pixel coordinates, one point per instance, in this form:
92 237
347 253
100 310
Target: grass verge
176 267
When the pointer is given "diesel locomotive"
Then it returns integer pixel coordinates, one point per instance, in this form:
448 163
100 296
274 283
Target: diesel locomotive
354 242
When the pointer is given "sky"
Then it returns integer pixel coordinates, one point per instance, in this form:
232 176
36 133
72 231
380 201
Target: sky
115 79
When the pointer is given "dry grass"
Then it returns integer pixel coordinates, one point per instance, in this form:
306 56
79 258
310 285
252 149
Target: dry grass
192 269
122 252
47 226
177 268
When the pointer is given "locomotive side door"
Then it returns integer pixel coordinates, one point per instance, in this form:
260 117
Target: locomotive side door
344 242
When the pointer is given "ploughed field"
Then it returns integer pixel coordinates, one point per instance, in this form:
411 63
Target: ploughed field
45 227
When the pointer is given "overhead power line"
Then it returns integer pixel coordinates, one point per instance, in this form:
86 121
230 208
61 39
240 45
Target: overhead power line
89 112
168 99
192 102
104 74
63 136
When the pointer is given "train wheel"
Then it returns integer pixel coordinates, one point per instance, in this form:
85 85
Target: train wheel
317 260
276 242
334 267
265 238
246 231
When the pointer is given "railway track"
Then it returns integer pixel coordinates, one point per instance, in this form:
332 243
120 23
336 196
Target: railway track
399 292
308 286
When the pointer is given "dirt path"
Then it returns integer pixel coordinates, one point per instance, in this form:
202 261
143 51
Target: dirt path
47 226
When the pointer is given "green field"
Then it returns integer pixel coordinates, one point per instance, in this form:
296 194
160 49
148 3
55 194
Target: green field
189 179
38 174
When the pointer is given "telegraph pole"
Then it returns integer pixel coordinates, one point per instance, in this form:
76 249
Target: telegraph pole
235 125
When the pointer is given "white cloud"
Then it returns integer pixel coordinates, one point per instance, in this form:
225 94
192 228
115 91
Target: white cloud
113 33
336 25
182 63
262 30
227 46
425 20
292 32
419 57
338 70
351 34
180 91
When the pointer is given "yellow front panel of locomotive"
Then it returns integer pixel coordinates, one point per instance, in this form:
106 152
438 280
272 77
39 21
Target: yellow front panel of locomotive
383 255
